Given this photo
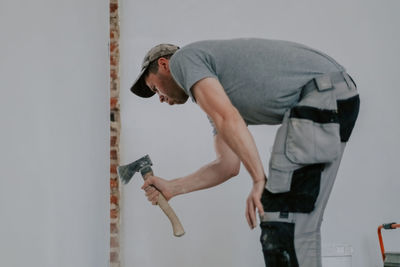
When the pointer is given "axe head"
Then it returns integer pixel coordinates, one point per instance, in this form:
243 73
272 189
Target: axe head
126 172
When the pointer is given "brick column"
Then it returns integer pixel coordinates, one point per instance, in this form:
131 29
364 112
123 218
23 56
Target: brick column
115 126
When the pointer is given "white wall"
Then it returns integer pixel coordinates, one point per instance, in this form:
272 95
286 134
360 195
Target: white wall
361 35
54 140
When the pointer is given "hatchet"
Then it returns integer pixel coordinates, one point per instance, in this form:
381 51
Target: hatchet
143 165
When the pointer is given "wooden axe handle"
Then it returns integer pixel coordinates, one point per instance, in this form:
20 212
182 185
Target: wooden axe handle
166 208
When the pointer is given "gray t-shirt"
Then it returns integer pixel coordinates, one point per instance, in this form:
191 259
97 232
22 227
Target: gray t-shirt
261 77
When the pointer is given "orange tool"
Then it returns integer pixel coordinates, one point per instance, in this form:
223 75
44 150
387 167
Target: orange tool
387 226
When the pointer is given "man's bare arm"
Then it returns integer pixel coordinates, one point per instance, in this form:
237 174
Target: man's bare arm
211 97
225 166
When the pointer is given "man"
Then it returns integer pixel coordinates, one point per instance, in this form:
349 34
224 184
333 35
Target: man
244 82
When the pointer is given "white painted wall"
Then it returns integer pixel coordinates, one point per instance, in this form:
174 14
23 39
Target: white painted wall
361 35
54 139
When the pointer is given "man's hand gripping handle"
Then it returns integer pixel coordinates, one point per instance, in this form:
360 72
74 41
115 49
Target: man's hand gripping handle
164 205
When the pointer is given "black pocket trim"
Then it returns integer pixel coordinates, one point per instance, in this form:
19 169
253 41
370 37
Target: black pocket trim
303 193
348 112
314 114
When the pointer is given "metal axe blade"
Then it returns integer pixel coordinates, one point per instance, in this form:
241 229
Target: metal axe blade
126 172
143 165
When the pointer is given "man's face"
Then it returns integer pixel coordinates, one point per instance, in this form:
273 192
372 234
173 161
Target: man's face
165 86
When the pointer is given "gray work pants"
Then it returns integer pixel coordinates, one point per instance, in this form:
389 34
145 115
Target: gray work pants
304 163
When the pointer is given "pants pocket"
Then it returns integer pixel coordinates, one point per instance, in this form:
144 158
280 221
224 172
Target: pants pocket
280 167
310 142
313 131
280 173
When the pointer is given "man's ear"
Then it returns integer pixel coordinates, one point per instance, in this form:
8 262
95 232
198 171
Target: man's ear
163 64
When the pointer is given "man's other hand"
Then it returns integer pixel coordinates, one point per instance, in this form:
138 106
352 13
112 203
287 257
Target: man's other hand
254 202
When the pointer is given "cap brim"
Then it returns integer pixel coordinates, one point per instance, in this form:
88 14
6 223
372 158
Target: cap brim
140 88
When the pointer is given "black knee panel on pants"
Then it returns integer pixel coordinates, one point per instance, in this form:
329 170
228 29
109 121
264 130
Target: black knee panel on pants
277 240
303 192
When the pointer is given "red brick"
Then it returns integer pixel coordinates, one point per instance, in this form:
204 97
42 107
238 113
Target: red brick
114 214
113 102
113 61
114 200
114 183
113 168
113 7
113 228
113 141
113 154
113 74
114 33
114 243
113 46
114 257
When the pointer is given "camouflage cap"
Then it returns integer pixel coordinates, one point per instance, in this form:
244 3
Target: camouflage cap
139 87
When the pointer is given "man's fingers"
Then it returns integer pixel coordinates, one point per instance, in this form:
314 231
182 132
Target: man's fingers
149 190
154 201
260 207
247 214
152 194
251 214
146 184
253 203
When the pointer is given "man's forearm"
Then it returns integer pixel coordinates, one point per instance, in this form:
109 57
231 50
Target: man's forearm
210 175
235 133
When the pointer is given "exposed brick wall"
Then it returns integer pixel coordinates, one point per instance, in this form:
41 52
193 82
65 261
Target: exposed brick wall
115 126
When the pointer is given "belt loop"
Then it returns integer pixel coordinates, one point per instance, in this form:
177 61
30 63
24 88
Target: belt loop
324 82
310 86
